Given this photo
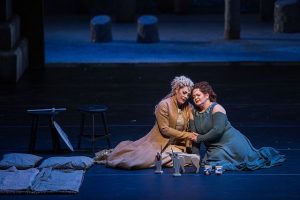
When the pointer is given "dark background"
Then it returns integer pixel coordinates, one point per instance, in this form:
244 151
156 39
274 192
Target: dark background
34 13
92 7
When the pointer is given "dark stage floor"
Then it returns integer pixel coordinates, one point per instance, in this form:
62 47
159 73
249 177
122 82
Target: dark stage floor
261 99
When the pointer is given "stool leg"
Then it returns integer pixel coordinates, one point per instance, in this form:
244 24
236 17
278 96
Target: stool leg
107 136
93 132
81 130
54 134
33 135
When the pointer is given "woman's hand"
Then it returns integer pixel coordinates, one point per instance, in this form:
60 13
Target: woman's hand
193 136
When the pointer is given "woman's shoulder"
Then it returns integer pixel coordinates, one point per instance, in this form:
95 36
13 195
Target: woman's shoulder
218 108
165 101
170 103
164 104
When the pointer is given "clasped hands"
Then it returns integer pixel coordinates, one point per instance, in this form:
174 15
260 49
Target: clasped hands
193 136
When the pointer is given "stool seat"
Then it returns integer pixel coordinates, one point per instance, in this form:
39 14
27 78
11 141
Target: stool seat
46 111
101 28
92 110
50 113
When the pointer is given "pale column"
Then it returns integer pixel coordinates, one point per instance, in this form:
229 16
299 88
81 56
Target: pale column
232 19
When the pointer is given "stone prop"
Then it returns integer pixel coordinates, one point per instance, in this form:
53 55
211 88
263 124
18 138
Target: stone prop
101 29
147 29
287 16
219 170
158 163
207 170
176 163
192 159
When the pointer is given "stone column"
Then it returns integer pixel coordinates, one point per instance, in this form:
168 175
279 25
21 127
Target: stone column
232 19
32 27
5 10
287 16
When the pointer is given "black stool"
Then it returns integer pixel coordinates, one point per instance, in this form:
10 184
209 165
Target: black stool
101 29
93 110
50 114
147 29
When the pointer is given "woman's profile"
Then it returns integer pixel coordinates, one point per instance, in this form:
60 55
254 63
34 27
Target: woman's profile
169 131
225 145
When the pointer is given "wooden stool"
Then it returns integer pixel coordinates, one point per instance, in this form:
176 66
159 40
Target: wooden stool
50 114
93 110
147 29
101 29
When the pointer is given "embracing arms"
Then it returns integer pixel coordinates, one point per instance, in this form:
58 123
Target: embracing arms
219 119
219 123
163 118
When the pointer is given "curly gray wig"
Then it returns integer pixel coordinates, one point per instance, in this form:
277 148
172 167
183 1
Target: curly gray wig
180 82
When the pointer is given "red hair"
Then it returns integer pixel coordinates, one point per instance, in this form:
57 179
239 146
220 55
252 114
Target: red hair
206 88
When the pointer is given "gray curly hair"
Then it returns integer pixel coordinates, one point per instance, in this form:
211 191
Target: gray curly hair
180 82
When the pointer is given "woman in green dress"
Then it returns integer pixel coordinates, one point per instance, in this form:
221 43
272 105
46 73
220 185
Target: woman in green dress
225 145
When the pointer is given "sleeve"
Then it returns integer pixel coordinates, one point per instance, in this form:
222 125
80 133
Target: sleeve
163 121
219 123
192 126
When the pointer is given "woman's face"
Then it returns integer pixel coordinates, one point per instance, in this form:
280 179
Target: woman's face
182 95
199 97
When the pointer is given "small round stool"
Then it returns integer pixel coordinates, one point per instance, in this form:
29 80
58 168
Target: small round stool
93 110
100 27
147 29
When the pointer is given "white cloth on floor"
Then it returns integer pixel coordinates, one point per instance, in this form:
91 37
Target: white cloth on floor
13 179
53 180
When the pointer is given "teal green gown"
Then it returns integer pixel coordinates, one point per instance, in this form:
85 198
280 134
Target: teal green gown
226 146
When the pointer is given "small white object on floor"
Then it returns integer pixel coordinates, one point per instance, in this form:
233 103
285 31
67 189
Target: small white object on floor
186 159
219 170
158 163
207 169
176 164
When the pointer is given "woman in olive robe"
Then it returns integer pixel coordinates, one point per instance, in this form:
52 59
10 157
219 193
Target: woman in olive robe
168 133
